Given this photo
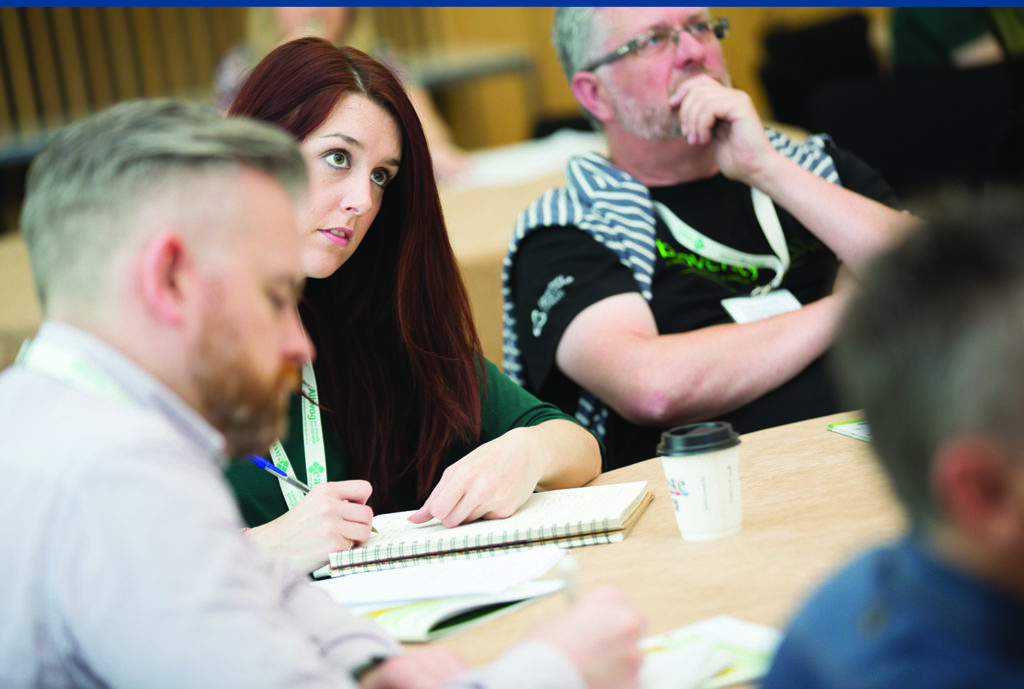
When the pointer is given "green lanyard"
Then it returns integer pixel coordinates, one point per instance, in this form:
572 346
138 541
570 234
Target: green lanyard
312 440
70 366
703 245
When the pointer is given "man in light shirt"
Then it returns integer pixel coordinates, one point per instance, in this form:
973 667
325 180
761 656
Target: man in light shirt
164 248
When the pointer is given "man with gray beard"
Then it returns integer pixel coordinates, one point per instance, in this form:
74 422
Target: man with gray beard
689 275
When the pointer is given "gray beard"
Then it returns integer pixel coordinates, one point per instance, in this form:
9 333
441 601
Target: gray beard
650 122
653 122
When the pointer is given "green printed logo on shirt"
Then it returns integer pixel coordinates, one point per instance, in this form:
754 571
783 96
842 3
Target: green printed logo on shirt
691 263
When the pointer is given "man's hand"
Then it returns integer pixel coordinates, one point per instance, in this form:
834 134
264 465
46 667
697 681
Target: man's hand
426 667
332 516
712 114
600 636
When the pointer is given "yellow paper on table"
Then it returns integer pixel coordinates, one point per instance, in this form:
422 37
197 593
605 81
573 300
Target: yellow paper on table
717 652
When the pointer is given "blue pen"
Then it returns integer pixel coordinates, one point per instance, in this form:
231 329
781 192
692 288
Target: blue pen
267 465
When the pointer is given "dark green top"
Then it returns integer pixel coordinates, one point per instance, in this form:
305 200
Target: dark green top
505 406
926 37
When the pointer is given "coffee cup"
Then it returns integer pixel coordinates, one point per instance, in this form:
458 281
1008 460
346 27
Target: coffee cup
701 464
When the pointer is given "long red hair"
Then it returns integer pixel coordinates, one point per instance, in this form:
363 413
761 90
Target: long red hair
397 351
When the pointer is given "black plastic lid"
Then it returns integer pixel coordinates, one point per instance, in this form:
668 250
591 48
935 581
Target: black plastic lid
698 437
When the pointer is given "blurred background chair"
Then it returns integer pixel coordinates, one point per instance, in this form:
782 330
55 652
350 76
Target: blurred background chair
924 131
800 61
922 127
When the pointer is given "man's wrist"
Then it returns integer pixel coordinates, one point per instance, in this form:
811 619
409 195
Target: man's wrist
770 172
367 666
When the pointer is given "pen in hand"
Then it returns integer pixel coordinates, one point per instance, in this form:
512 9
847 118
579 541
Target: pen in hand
267 465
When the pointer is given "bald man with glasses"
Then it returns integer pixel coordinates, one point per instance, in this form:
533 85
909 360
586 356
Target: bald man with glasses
689 274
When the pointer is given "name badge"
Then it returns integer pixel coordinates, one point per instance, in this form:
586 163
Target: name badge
754 308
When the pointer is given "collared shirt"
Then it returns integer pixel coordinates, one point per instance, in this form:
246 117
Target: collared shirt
897 617
123 560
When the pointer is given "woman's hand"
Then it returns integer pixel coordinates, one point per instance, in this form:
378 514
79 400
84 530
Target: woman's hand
492 481
332 516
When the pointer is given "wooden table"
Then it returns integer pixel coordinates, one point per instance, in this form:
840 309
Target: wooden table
811 500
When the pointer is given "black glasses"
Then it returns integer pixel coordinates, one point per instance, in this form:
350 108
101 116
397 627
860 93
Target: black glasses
655 40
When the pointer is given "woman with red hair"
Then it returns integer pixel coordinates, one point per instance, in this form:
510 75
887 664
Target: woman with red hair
408 403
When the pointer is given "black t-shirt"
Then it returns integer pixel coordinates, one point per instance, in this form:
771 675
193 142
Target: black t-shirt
564 270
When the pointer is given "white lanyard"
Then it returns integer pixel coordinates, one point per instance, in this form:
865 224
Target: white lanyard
703 245
312 440
70 366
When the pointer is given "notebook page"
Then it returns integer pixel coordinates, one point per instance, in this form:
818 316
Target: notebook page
583 515
606 507
483 576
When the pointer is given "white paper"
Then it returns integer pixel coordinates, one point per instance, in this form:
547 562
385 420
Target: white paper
426 620
748 309
684 667
485 575
854 429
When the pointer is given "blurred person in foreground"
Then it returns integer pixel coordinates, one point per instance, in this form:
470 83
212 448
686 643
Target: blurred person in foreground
616 284
164 245
933 349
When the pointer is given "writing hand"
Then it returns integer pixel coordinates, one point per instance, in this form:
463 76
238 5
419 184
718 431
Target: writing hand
332 516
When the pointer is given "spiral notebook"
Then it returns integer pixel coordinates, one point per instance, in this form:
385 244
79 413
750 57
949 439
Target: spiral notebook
569 518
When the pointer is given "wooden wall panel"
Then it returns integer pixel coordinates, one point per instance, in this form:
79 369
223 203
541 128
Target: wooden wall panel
72 66
171 40
148 56
6 106
47 80
23 100
123 58
99 74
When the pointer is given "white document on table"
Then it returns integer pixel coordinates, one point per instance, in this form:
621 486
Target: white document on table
485 575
